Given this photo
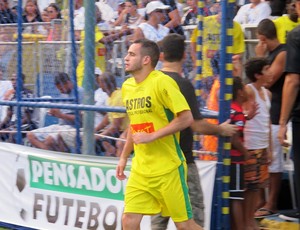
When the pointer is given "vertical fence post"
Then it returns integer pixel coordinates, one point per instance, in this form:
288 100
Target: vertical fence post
89 77
19 73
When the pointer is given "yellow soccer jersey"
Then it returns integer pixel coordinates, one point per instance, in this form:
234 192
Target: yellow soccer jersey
151 105
284 25
99 55
212 41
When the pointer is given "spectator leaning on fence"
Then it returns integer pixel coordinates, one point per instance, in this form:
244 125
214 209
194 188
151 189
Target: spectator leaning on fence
173 19
253 12
6 15
46 137
31 12
53 11
129 16
45 15
100 50
152 29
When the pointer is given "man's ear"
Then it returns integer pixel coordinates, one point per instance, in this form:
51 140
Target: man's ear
161 56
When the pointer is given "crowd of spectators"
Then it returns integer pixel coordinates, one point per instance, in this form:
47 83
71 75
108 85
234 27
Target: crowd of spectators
153 20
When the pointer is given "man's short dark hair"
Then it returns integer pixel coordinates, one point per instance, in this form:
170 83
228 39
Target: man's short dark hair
173 47
133 2
267 28
149 48
61 78
255 66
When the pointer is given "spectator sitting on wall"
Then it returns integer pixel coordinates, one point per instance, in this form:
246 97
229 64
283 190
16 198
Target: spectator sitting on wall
46 137
10 121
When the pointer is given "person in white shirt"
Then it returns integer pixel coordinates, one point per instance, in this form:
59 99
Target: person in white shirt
253 12
152 29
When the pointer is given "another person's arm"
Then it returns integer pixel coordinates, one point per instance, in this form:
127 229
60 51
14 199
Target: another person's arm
289 94
206 128
138 34
175 19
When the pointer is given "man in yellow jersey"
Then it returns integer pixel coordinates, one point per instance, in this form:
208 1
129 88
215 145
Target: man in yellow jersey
157 112
287 23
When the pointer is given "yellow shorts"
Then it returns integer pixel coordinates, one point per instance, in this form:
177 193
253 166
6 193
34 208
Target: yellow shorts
167 194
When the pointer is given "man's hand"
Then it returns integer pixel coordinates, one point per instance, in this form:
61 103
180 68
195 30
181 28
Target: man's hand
261 49
120 169
282 136
54 112
142 138
227 129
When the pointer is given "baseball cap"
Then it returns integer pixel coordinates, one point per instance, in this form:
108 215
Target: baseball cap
121 2
155 5
98 71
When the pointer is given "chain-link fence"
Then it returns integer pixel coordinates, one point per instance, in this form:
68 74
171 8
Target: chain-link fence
47 49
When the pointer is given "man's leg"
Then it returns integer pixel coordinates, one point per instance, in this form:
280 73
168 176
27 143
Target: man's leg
296 159
35 141
131 221
188 225
195 193
275 169
159 222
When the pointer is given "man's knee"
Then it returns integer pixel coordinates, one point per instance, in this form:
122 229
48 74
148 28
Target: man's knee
131 221
30 136
49 141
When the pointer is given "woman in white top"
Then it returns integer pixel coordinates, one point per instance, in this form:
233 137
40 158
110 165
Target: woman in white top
257 135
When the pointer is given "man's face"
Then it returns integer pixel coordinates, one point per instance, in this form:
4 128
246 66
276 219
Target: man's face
2 5
133 59
13 80
64 88
297 5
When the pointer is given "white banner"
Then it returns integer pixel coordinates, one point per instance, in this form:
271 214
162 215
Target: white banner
49 190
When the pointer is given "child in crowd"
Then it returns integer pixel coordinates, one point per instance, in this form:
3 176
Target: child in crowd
257 136
238 155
